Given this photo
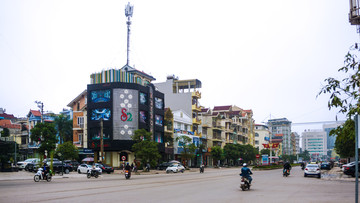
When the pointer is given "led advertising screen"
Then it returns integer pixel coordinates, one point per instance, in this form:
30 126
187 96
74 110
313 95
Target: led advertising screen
100 96
159 103
97 114
125 113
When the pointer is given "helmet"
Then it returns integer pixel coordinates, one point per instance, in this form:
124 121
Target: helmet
244 164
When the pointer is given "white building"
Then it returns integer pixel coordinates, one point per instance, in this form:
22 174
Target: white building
315 142
262 136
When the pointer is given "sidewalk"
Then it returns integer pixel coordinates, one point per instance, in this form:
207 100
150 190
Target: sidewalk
336 174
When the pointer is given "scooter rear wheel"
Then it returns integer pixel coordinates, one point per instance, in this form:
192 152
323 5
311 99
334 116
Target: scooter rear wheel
48 178
88 175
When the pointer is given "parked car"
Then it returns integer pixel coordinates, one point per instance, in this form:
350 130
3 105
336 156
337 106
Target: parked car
22 164
347 165
84 168
350 170
163 166
106 168
33 166
175 168
312 170
59 167
325 165
73 164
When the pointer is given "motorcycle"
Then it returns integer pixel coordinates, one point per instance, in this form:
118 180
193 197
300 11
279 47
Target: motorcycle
92 173
39 176
302 167
244 184
127 174
286 172
201 169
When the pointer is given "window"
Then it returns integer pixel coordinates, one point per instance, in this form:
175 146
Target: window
80 121
256 141
80 138
256 134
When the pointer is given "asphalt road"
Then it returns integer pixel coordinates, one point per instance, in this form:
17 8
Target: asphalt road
215 185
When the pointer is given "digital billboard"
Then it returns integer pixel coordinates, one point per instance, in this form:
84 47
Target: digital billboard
125 113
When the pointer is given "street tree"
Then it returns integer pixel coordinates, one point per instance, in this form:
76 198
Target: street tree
266 151
345 95
5 132
67 150
44 133
305 155
248 153
344 144
232 152
187 146
217 154
145 148
64 126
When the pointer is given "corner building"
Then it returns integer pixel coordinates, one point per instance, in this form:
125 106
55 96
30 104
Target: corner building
124 106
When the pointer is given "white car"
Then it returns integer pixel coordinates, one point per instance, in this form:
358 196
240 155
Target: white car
22 164
175 168
347 165
85 168
312 170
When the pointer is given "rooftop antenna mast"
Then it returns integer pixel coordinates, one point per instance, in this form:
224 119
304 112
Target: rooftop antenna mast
129 9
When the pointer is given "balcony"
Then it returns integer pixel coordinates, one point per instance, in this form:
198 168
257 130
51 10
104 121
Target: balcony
196 94
196 121
194 107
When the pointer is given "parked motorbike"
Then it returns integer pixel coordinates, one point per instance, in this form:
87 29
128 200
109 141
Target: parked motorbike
127 174
92 173
244 184
286 172
202 169
39 176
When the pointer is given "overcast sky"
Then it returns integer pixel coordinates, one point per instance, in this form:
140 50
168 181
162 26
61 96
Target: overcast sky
268 56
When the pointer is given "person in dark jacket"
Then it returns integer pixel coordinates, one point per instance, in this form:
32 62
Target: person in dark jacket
246 172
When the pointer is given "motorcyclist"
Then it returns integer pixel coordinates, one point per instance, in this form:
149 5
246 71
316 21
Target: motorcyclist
202 166
287 166
302 165
246 172
45 170
128 168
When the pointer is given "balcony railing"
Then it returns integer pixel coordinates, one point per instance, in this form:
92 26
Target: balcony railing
196 121
194 107
196 94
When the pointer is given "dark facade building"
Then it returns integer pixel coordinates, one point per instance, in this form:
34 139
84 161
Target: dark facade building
124 107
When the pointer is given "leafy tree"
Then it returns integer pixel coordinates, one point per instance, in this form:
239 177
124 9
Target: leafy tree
44 133
305 155
5 132
248 153
345 140
67 150
232 152
217 153
266 151
188 147
345 95
64 128
145 149
168 117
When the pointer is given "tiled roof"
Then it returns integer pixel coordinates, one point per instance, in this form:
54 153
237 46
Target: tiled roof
35 113
8 124
235 113
222 108
204 110
215 113
7 116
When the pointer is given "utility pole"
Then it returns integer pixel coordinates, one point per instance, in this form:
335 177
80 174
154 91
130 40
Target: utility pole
101 140
41 106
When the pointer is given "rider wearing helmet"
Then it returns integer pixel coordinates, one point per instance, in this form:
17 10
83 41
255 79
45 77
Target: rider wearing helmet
246 172
287 166
45 170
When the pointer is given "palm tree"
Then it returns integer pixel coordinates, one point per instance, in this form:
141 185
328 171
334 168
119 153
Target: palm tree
64 128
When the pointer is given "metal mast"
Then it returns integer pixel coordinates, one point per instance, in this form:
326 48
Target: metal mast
128 13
